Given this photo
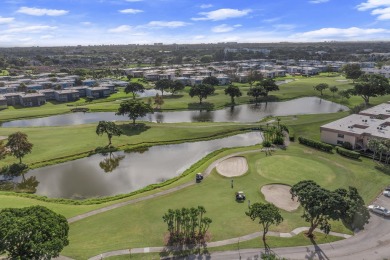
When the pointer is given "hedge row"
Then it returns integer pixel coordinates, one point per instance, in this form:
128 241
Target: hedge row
347 153
315 144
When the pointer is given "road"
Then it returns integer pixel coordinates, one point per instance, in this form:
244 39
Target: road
370 244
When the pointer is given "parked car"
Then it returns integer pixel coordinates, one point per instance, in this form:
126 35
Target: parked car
386 193
388 188
240 196
379 210
199 177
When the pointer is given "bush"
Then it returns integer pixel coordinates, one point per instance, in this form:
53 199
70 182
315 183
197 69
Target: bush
267 144
347 153
347 145
315 144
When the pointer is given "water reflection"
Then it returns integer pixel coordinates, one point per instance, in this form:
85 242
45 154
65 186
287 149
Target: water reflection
243 113
20 184
85 178
111 162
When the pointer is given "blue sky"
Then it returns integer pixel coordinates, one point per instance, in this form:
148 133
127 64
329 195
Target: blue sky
89 22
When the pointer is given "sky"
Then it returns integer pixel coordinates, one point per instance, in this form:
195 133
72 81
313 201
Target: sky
96 22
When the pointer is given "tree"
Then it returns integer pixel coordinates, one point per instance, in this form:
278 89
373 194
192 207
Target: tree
319 205
253 76
32 233
356 214
163 84
268 85
233 91
134 87
3 150
158 101
333 89
206 58
176 86
345 94
109 128
321 87
202 91
256 92
268 214
352 71
213 81
18 145
134 109
372 85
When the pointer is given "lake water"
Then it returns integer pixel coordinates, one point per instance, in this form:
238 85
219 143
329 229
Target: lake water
97 175
243 113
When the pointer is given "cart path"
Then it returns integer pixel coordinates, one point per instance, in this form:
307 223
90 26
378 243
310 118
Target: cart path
230 241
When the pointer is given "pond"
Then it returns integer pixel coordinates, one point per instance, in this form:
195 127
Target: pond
242 113
120 172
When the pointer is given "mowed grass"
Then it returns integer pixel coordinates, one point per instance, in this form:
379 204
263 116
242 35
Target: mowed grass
51 143
141 225
300 87
273 242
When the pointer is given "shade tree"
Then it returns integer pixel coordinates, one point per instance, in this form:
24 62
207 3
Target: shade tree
134 109
109 128
267 214
256 92
134 87
202 91
163 84
321 87
176 86
213 81
18 145
371 85
233 91
32 233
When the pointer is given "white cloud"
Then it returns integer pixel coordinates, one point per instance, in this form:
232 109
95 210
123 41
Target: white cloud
222 28
205 6
169 24
272 20
86 23
47 37
383 14
4 20
337 33
132 1
30 29
120 29
372 4
130 11
222 14
286 27
381 8
41 11
318 1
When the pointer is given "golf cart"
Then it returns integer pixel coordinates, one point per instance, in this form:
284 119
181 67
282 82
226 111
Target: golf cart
240 196
199 177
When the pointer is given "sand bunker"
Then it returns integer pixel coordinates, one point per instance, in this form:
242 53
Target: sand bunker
280 196
234 166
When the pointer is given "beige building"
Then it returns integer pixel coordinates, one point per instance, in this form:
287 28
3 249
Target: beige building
357 129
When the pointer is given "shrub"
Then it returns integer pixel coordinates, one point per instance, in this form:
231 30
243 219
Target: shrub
315 144
347 145
347 153
267 144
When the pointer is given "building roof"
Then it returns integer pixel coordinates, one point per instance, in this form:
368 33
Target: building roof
382 109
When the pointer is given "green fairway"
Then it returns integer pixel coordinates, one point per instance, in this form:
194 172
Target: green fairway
56 144
131 226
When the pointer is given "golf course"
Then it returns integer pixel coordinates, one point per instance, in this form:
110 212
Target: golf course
134 220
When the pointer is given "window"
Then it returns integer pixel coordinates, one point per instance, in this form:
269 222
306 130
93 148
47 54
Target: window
340 142
340 135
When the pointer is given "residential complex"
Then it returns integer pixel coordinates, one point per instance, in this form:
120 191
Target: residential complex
358 129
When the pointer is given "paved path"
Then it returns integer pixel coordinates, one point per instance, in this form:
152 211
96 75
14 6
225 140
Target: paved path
161 193
209 245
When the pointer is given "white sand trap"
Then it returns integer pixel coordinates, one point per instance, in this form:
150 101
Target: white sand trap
280 196
232 167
